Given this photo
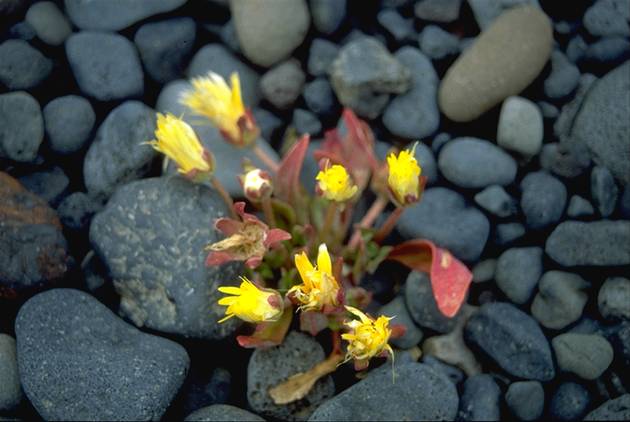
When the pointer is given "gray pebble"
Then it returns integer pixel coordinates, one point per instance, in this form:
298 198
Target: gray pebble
543 199
437 43
604 191
321 56
438 10
49 23
283 83
585 355
579 207
518 271
397 308
560 299
613 299
21 126
439 141
576 48
564 77
267 122
77 209
624 203
480 400
319 97
22 66
548 110
10 389
328 14
520 127
496 200
484 270
569 402
608 50
507 233
50 185
454 374
608 18
69 122
306 122
222 412
526 399
22 31
617 409
397 26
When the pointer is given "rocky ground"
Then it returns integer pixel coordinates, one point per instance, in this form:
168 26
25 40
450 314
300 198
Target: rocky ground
523 112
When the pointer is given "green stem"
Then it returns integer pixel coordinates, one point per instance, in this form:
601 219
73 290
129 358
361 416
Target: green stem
368 220
267 160
268 211
388 225
224 195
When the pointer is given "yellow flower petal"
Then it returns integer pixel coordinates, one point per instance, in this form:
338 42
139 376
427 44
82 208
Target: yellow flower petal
336 184
251 303
404 176
319 287
323 259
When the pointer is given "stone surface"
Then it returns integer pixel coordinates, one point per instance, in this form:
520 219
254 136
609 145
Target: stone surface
585 355
422 306
106 66
69 122
476 163
414 114
444 218
328 14
512 339
22 66
283 83
569 402
365 73
560 299
518 271
604 191
607 51
507 233
165 47
222 412
79 361
114 15
33 251
398 309
117 155
10 389
454 374
518 45
77 209
608 18
269 367
269 32
579 207
526 400
437 10
320 57
319 96
613 410
520 127
564 77
497 201
480 400
613 299
49 23
486 11
306 122
394 24
543 199
50 185
218 59
576 243
21 126
418 393
168 287
484 270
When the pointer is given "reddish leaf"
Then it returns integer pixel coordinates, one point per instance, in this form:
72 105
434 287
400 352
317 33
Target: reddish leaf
313 322
268 334
287 182
450 278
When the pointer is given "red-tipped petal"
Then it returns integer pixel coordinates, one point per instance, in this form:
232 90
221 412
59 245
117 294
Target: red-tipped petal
218 258
253 262
398 330
288 175
227 226
274 236
268 334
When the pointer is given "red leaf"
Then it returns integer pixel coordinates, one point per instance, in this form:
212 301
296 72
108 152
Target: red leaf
450 278
268 334
287 181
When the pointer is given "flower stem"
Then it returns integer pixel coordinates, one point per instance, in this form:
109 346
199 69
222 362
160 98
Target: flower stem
266 159
388 225
224 195
329 222
368 219
268 211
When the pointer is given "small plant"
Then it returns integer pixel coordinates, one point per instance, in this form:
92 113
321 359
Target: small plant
306 258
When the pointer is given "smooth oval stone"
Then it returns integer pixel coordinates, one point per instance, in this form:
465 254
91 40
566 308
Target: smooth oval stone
614 409
586 355
504 60
223 412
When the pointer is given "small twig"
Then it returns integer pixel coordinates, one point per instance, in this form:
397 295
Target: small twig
368 220
224 195
266 159
388 225
268 211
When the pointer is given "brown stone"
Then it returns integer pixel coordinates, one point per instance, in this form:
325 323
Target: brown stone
502 62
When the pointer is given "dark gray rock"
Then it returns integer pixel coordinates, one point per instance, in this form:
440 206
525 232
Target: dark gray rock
526 399
512 339
444 218
576 48
10 389
77 209
624 203
518 272
610 50
223 412
69 122
306 122
218 59
437 10
585 355
569 402
282 84
364 74
422 305
165 47
209 390
49 22
22 66
106 66
484 271
319 97
548 110
397 26
602 124
418 393
613 410
608 18
22 31
397 309
117 155
613 299
454 374
266 121
560 299
269 367
414 114
21 126
50 185
426 161
604 191
480 400
520 127
507 233
328 14
439 141
70 346
579 207
564 76
114 15
497 201
543 199
597 243
151 236
320 56
437 43
476 163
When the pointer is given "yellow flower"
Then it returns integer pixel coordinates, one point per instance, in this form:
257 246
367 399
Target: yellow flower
320 290
335 183
251 303
368 337
404 176
178 141
211 97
